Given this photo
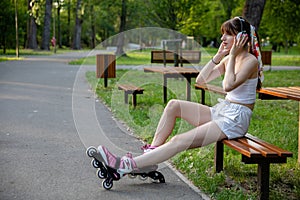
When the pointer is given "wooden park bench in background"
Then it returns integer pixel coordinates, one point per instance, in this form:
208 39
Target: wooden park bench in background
105 67
183 56
130 89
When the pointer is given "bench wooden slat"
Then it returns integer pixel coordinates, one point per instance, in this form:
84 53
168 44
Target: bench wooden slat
277 92
288 91
247 151
295 88
280 152
258 147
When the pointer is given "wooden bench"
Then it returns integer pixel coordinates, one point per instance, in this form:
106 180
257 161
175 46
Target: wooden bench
164 56
130 89
212 88
254 151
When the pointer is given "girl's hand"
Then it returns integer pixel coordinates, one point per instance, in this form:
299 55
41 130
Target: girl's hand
222 50
238 44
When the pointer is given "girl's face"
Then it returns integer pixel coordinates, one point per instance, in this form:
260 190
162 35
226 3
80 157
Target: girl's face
227 40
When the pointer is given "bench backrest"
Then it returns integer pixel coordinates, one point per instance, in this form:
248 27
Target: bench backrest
188 56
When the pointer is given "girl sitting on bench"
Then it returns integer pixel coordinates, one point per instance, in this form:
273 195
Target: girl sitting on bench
238 59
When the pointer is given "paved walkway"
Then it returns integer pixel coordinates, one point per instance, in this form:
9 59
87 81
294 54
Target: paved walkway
48 116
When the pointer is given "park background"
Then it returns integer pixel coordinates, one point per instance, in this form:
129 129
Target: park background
82 25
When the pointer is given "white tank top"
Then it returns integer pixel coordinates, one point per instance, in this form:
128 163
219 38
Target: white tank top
245 93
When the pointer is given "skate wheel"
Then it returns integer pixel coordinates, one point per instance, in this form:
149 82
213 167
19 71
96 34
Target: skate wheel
107 184
132 176
101 174
90 151
143 177
95 163
157 177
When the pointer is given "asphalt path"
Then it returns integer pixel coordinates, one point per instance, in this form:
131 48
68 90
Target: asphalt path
48 117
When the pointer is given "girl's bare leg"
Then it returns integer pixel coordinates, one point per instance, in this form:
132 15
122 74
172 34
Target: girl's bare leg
194 113
200 136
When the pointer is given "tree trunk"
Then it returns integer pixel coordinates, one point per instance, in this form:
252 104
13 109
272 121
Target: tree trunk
58 26
32 34
47 26
93 32
17 28
31 42
120 44
77 33
253 11
69 38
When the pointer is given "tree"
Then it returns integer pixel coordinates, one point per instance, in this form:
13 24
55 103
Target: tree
47 26
92 24
78 23
253 11
59 4
120 44
170 14
31 42
281 22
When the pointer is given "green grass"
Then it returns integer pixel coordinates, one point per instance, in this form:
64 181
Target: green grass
274 121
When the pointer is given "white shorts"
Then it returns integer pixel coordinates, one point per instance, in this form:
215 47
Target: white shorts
233 119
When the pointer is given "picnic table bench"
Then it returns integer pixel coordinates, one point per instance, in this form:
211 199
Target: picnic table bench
130 89
252 149
183 56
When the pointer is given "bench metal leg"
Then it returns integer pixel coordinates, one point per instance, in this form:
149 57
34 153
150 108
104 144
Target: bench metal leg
263 178
134 99
126 97
188 88
165 88
219 156
203 96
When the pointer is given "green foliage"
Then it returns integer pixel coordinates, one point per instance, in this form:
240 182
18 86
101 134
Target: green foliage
7 23
101 19
281 21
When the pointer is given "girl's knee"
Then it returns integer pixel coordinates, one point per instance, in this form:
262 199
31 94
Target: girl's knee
172 105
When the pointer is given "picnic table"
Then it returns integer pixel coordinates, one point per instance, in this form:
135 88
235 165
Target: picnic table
292 93
175 72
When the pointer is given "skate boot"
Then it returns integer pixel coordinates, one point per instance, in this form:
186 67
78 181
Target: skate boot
123 165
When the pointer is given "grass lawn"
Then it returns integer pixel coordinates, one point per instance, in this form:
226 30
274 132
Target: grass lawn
274 121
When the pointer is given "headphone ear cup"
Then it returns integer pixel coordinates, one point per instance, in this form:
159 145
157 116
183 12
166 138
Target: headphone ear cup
239 34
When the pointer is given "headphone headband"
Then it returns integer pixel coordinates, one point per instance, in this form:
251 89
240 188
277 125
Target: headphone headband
241 21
